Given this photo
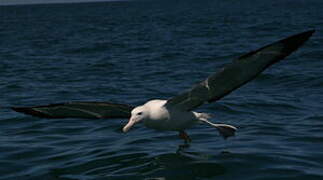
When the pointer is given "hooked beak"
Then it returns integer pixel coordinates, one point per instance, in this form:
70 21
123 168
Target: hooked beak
129 125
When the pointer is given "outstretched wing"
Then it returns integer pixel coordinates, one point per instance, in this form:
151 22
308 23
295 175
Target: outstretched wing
238 73
96 110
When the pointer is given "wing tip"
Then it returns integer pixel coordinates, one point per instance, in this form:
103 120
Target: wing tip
304 35
310 32
30 111
291 44
295 41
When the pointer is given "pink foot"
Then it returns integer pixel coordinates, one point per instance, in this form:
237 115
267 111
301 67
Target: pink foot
184 136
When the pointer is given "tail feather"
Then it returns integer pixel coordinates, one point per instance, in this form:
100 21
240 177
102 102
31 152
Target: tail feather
204 115
225 130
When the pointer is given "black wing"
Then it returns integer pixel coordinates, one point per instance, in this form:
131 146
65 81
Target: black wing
238 73
96 110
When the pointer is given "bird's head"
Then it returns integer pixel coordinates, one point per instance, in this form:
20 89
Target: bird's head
138 114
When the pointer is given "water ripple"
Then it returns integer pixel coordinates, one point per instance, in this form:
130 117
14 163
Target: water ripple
128 52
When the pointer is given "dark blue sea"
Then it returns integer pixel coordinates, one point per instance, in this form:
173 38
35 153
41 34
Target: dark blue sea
131 52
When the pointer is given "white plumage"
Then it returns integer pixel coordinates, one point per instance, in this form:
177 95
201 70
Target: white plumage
154 114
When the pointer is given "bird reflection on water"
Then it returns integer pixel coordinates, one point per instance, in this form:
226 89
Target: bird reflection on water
186 165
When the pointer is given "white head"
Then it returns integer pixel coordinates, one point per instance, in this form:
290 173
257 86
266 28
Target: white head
138 114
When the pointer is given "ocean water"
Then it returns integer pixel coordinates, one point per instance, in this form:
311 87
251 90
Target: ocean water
130 52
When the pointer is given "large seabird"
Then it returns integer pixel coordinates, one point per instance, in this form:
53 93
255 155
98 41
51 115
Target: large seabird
176 113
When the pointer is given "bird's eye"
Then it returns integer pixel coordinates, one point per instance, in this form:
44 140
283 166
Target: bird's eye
140 113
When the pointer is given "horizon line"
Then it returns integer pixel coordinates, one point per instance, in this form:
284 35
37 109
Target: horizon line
40 2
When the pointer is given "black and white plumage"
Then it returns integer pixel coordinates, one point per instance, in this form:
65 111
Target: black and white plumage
176 113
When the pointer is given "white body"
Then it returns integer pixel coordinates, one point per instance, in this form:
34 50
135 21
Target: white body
172 119
157 116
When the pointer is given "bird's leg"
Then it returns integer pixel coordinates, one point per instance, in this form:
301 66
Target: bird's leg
184 136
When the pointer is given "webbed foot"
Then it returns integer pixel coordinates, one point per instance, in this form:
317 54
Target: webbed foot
182 134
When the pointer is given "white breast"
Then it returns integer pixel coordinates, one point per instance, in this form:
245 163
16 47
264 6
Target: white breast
161 118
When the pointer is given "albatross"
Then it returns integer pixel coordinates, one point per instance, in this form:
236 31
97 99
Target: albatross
176 113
